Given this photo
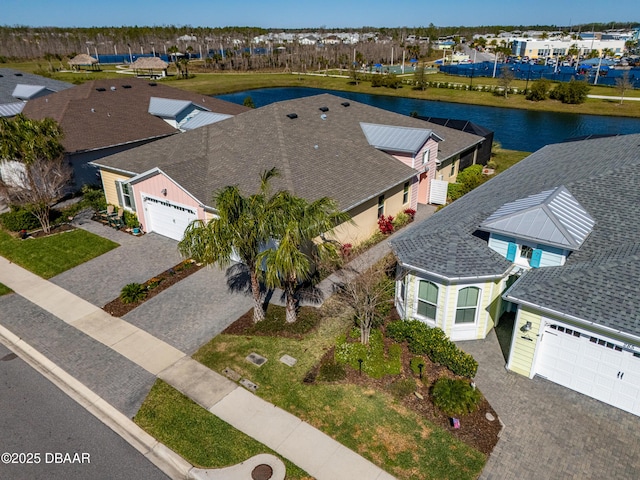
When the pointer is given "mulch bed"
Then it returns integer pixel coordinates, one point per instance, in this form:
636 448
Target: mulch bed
64 227
163 281
475 430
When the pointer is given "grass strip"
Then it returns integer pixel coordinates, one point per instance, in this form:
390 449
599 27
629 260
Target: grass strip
54 254
196 434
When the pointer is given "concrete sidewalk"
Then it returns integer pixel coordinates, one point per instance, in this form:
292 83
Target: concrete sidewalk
304 445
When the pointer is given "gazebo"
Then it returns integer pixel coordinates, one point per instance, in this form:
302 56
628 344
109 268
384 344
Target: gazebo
150 65
83 60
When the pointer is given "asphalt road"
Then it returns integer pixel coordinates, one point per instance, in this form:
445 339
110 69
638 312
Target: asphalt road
61 440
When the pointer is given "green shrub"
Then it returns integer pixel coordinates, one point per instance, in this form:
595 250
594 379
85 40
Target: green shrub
539 90
455 397
377 81
468 179
18 219
403 387
433 342
330 371
93 198
132 292
130 219
573 92
401 220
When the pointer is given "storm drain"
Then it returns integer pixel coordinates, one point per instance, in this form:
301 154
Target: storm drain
262 472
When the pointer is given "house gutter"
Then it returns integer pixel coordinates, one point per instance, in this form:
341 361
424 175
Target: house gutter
453 279
113 169
147 139
565 316
464 149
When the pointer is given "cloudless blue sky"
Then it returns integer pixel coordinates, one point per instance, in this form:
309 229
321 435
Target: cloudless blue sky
313 14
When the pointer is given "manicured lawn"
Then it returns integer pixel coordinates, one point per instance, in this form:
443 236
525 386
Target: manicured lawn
197 435
371 422
49 256
507 158
4 289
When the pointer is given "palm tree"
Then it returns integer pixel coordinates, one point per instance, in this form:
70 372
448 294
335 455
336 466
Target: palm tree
242 228
299 228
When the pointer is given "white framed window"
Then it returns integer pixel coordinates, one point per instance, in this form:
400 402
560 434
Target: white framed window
427 306
380 206
467 306
125 195
526 251
405 193
426 156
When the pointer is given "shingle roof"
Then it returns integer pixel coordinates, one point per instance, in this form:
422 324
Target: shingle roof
316 156
10 77
603 176
94 115
552 217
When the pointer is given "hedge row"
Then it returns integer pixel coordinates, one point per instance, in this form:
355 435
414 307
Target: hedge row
19 219
433 342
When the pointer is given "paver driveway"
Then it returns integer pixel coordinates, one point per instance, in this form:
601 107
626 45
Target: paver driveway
552 432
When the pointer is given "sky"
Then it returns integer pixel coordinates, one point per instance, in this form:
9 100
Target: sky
314 14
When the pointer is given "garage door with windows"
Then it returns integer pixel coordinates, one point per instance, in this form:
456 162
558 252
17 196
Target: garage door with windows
167 218
594 365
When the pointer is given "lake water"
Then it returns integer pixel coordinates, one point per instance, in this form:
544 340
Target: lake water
515 129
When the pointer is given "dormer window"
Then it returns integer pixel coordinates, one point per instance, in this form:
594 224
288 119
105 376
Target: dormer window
526 252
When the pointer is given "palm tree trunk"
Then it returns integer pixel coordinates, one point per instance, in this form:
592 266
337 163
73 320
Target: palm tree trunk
290 308
290 302
258 310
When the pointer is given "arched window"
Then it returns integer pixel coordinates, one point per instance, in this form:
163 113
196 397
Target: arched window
427 300
467 305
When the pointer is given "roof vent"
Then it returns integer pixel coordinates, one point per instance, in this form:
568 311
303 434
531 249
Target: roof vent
1 76
292 115
126 86
101 89
345 104
152 84
18 74
324 109
113 89
93 110
323 116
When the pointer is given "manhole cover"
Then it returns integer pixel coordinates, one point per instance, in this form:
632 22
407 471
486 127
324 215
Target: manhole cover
8 357
262 472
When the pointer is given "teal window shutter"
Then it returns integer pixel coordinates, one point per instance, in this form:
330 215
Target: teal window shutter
512 248
536 256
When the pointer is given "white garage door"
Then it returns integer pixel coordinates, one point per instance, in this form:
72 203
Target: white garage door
167 218
592 365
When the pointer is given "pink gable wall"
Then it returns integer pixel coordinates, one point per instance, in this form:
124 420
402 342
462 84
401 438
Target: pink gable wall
422 190
153 187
